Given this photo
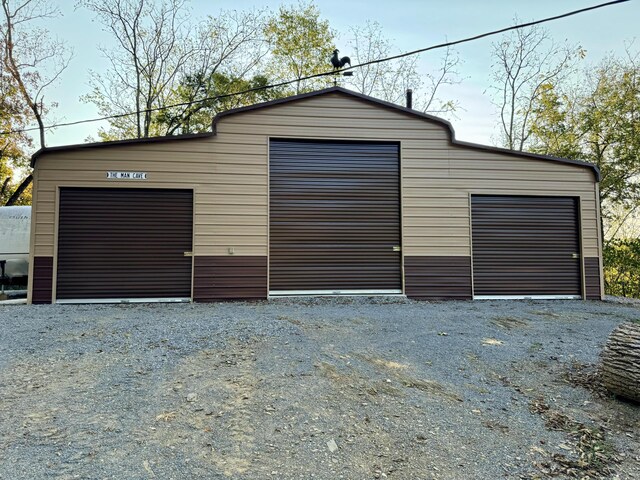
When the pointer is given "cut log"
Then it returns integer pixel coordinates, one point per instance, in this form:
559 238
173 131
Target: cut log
620 369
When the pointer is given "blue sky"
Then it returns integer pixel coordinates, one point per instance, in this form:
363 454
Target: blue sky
411 24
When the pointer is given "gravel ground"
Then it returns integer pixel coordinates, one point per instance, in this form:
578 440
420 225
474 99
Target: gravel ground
324 388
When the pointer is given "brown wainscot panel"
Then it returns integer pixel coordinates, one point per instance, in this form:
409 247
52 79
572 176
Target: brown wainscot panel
42 283
438 277
229 278
592 278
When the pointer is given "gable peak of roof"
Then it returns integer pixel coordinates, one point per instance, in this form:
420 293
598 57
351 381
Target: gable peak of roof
317 93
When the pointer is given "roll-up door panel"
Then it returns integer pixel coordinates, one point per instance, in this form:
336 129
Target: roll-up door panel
334 216
525 245
124 243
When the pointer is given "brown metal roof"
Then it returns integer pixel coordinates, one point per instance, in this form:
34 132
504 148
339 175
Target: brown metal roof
344 91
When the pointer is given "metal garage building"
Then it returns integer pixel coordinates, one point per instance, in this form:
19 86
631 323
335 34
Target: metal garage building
330 192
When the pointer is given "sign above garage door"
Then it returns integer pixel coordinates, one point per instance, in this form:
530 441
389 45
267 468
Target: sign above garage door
334 223
127 175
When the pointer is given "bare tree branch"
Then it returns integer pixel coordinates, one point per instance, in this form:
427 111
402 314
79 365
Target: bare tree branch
524 62
390 80
33 60
19 191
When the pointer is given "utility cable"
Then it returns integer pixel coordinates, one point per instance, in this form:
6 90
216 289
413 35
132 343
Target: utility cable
324 74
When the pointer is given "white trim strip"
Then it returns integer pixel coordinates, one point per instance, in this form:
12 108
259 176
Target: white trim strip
17 301
527 297
291 293
125 300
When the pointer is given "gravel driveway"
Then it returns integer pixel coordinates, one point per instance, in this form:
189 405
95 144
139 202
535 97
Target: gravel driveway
300 389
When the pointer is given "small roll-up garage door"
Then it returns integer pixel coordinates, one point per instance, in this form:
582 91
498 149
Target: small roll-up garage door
124 243
334 217
525 246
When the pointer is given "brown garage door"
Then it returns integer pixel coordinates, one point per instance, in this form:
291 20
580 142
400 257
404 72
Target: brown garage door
124 243
525 246
334 217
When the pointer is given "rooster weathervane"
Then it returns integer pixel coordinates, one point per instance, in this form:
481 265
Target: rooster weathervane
339 63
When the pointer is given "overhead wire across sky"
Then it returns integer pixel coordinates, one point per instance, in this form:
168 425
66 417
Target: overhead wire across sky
328 73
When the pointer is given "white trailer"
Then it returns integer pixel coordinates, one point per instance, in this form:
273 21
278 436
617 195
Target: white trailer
15 226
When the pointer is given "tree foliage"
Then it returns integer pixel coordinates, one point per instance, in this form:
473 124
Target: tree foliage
231 48
177 76
30 56
196 117
14 115
301 44
171 71
622 267
598 122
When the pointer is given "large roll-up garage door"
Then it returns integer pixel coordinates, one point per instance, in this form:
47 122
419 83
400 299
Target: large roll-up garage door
124 243
525 246
334 217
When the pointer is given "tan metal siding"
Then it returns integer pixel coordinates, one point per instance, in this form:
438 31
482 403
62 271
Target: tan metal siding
230 175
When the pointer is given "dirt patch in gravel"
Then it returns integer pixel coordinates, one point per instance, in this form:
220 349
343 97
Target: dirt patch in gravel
352 389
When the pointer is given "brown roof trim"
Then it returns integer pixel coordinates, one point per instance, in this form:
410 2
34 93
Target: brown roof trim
413 113
115 143
376 101
535 156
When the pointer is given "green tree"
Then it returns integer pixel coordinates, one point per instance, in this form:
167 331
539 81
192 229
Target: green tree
197 116
301 45
13 116
232 47
622 267
552 124
599 123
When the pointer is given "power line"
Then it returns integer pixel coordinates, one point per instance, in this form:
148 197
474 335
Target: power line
494 32
324 74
